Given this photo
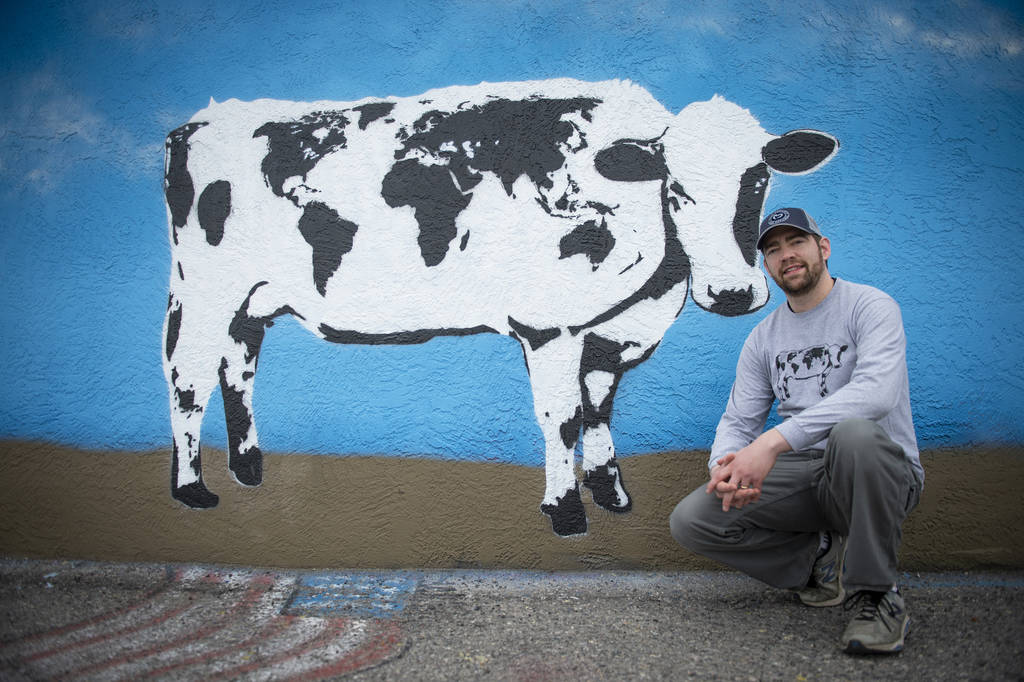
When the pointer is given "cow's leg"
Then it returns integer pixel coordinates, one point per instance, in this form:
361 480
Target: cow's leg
190 370
237 371
237 374
554 378
601 368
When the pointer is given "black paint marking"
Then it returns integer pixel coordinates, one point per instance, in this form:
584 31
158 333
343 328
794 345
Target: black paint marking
566 204
178 188
247 466
570 429
602 482
250 331
194 495
436 199
798 151
238 419
632 161
295 147
368 113
535 337
568 516
173 329
330 236
181 272
749 203
397 338
673 269
591 239
509 138
639 258
602 355
213 209
465 240
186 400
731 302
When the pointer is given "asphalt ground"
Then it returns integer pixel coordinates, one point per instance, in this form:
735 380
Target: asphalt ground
108 621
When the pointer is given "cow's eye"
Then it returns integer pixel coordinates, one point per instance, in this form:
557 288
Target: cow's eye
631 163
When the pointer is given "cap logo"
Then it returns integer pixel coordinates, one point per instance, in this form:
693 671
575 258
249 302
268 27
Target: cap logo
778 216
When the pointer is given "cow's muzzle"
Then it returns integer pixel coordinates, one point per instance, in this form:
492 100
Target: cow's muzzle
731 302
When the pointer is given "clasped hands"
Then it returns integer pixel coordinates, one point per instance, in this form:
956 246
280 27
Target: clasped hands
737 477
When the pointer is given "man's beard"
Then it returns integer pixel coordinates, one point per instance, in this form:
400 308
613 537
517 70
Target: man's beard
811 275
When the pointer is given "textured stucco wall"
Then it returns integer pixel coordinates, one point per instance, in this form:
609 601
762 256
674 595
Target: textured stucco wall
386 512
921 200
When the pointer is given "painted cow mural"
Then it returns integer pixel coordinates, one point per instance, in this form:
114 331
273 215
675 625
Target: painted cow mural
574 217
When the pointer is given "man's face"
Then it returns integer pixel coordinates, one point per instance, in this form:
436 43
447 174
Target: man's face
794 259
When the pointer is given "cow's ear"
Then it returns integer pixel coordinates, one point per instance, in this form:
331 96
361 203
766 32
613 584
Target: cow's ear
631 162
799 151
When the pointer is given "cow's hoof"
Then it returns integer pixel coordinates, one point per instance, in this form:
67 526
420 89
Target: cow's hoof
605 483
247 466
567 514
195 495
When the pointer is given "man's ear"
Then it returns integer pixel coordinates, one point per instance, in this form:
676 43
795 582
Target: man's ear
826 248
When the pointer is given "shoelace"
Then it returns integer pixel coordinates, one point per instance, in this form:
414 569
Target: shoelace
870 605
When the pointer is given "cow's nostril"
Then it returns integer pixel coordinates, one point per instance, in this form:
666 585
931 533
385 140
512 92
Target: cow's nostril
731 302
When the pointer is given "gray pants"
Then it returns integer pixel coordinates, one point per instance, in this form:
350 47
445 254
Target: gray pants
861 486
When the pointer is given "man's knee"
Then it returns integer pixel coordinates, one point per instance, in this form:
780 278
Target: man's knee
861 444
684 521
854 433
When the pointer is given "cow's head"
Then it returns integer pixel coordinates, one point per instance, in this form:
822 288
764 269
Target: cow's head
720 160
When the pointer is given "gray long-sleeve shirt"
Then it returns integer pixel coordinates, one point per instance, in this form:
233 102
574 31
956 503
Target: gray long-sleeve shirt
844 358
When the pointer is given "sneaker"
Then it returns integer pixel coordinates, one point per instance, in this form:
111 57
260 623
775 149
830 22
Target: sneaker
881 625
826 586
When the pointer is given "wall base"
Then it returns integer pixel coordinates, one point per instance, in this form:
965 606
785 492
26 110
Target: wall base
399 512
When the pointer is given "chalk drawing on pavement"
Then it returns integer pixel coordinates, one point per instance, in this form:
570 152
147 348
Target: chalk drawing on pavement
208 624
363 595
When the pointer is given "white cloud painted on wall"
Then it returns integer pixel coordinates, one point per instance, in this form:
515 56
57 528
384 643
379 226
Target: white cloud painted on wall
995 36
49 128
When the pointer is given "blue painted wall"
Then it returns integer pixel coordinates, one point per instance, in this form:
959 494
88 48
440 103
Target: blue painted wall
924 200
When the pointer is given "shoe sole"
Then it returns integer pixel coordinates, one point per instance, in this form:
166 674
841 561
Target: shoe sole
856 647
834 601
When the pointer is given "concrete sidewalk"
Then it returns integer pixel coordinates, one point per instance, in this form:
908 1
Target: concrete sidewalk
86 620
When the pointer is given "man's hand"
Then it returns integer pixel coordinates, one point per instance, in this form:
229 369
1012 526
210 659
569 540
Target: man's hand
737 477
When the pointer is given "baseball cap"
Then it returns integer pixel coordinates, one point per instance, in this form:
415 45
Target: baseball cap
793 217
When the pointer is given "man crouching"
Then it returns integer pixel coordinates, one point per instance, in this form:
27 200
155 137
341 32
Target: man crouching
815 504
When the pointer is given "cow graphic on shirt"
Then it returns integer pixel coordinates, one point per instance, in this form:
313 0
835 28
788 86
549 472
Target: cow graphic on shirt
815 362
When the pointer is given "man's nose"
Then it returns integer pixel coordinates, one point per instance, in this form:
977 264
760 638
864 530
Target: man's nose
787 251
